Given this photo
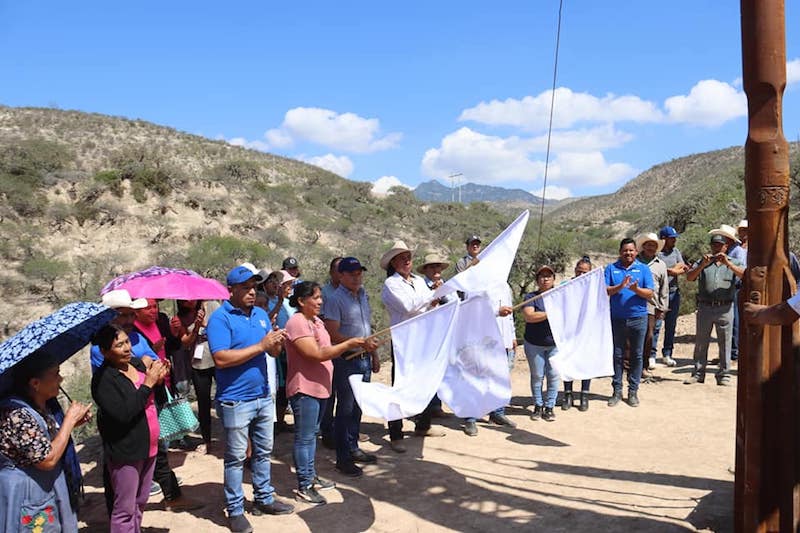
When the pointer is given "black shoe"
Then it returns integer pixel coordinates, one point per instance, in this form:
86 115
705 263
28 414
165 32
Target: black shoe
470 428
615 398
349 469
323 484
239 524
537 412
329 442
548 415
633 399
273 508
502 420
358 456
566 403
584 406
310 495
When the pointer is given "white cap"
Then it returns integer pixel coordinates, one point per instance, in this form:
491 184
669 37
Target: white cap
122 298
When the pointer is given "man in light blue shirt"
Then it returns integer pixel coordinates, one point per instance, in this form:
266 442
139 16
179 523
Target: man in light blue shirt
348 314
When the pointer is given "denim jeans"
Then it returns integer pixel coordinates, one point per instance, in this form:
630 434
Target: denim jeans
539 363
347 421
241 419
669 322
626 330
307 412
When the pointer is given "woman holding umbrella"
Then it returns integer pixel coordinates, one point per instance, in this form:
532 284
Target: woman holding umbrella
38 482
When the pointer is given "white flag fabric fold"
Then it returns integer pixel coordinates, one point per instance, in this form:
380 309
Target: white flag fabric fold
580 318
495 262
422 346
477 380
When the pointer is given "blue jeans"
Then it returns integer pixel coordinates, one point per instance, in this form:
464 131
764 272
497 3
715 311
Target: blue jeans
348 414
669 321
626 330
539 363
241 419
307 412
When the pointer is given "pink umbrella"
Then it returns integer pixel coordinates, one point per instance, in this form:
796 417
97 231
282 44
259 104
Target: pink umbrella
168 283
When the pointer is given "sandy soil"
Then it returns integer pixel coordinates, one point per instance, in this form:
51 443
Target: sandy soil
664 466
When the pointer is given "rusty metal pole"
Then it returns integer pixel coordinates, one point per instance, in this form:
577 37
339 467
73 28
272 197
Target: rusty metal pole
767 480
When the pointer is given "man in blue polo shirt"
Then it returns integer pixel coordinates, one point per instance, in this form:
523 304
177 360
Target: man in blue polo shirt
239 334
630 286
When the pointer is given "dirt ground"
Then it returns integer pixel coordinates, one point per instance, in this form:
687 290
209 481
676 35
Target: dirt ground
664 466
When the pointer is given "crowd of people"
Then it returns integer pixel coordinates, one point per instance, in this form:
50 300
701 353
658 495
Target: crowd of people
283 344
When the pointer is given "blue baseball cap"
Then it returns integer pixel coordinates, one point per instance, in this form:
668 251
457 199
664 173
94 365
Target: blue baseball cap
667 232
350 264
239 274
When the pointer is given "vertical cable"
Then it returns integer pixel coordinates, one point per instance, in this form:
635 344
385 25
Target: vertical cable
550 125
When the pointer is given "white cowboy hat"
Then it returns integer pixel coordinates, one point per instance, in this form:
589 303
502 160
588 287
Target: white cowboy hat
432 259
397 248
119 298
726 231
742 224
646 237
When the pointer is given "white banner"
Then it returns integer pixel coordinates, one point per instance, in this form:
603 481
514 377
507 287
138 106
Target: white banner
422 346
579 314
477 380
495 262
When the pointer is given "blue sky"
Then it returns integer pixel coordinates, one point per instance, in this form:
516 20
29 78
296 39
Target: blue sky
408 92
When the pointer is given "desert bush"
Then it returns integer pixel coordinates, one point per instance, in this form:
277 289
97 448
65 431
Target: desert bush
214 256
39 269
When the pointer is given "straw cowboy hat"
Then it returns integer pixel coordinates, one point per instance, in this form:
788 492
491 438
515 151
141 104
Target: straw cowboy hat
726 231
742 224
433 259
647 237
397 248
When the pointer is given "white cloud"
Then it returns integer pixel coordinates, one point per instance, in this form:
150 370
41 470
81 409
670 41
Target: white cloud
341 165
709 103
481 158
582 139
532 113
588 169
339 131
490 159
793 71
381 186
554 192
253 145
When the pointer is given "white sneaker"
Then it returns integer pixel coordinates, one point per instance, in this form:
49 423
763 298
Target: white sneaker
652 363
669 361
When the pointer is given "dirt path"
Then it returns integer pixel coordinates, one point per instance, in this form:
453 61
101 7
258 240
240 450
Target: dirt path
664 466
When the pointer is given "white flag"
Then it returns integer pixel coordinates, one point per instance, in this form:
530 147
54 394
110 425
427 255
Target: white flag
580 318
495 262
421 348
477 380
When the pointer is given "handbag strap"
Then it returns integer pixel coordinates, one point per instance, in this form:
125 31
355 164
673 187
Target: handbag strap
169 396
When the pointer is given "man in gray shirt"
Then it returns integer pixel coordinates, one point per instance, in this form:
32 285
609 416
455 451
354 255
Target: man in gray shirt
347 314
675 267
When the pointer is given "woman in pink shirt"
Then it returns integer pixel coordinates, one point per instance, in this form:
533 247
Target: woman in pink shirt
308 382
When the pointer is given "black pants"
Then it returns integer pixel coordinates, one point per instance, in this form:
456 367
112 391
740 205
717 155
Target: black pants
423 422
201 379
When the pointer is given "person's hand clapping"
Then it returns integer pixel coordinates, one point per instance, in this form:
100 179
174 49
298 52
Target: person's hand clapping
273 339
156 373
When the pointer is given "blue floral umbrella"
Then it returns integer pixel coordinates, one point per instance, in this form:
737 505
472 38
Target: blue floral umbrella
61 334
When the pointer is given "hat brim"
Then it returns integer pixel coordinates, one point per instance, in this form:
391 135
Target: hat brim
725 234
659 242
391 254
421 268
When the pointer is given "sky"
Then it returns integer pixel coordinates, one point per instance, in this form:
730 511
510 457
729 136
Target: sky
401 93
